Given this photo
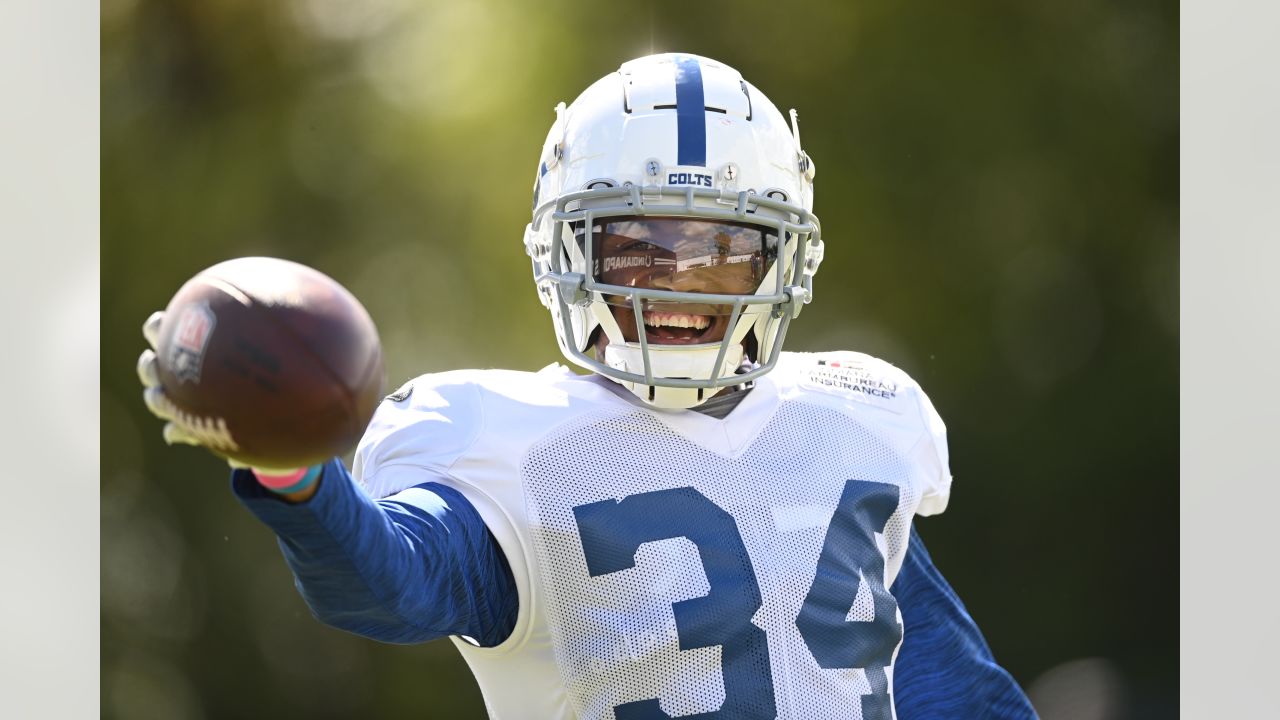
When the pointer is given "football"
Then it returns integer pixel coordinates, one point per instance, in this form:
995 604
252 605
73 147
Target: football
270 363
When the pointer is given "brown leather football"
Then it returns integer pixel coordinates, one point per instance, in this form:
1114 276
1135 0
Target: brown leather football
270 363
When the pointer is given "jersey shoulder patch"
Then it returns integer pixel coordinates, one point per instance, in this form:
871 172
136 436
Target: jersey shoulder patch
855 376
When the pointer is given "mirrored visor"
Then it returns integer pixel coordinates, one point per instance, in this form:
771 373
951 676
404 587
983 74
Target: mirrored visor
681 254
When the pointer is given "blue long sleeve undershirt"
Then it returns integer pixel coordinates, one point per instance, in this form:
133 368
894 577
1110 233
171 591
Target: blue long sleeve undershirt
415 567
422 565
944 668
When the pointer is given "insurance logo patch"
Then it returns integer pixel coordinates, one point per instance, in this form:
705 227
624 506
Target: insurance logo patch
851 379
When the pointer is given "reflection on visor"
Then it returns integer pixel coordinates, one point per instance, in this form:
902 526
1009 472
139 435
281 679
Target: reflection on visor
683 255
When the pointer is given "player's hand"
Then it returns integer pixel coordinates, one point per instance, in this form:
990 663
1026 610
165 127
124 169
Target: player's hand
294 483
175 430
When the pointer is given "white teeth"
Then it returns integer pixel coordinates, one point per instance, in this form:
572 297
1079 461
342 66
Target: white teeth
697 322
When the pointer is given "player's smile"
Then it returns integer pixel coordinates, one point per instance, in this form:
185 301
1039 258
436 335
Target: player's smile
672 327
676 328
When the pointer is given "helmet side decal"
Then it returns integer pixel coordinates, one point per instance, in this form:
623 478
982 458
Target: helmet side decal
691 114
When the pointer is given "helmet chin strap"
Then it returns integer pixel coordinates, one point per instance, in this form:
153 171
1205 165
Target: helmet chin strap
673 361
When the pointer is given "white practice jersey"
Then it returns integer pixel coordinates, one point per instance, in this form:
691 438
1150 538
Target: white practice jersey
671 564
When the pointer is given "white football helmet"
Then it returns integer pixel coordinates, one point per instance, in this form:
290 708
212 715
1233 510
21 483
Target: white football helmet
679 156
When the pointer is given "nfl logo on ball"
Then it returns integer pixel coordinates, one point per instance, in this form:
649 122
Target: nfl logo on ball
189 342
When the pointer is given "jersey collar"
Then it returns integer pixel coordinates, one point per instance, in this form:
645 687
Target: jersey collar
728 437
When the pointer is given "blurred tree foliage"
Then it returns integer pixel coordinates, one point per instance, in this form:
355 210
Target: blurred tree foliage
998 187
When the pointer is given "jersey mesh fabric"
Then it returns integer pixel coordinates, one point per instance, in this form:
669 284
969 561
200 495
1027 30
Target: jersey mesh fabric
614 634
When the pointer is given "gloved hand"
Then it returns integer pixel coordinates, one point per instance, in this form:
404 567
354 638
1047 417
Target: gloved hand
285 481
175 429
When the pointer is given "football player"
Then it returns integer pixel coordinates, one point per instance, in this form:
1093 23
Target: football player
703 526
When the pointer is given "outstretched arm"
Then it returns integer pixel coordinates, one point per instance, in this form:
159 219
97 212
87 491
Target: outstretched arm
416 566
945 668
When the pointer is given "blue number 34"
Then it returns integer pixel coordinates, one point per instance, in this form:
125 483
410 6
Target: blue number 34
612 532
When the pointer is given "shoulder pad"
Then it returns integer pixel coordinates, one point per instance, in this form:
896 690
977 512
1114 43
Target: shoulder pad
427 423
870 381
432 421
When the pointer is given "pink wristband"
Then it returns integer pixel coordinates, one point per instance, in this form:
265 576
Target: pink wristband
290 482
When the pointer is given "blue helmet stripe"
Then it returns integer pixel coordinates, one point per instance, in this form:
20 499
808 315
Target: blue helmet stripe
691 113
537 184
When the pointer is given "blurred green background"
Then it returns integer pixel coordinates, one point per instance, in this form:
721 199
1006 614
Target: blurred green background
998 187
